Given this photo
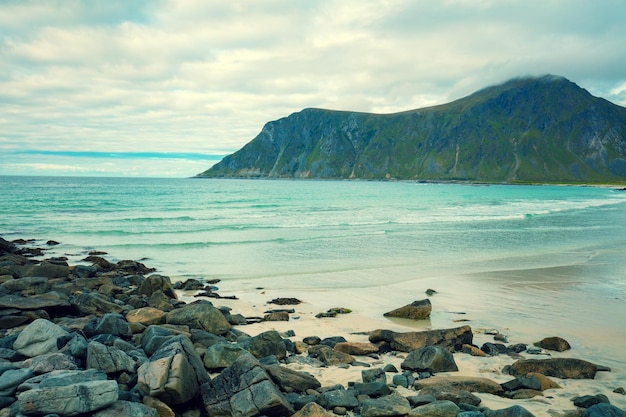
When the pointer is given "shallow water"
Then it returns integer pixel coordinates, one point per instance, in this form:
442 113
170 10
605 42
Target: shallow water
533 260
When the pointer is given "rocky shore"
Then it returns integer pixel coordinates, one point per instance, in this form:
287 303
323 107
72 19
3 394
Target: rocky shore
106 338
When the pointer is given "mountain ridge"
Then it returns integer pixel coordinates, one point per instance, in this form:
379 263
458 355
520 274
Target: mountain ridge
527 129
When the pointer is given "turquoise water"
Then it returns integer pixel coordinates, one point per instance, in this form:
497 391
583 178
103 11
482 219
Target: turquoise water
515 256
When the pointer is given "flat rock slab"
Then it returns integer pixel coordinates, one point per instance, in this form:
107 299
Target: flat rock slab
417 310
466 383
452 339
564 368
69 400
31 303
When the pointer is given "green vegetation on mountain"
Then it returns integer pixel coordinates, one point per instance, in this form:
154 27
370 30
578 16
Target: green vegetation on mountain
540 129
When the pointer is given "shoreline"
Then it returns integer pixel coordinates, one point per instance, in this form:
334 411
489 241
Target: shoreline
357 326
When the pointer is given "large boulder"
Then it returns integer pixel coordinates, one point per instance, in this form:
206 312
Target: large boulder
513 411
146 316
604 410
110 323
126 408
46 269
430 358
340 397
450 393
244 389
42 301
174 373
155 336
452 339
155 283
441 408
38 338
355 348
330 356
555 343
30 285
200 315
265 344
563 368
94 303
290 380
313 410
108 359
417 310
49 362
388 406
11 378
68 400
222 355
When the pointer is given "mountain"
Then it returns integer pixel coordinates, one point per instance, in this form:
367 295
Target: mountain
533 129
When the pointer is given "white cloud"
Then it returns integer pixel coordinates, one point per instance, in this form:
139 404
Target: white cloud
197 76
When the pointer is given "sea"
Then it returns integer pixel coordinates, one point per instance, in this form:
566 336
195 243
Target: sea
528 260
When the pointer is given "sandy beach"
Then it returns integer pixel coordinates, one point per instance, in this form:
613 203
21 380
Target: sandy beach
367 307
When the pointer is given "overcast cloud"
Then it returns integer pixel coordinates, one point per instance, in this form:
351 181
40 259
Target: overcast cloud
168 87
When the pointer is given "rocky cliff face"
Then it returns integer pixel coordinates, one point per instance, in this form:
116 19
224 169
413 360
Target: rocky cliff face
544 129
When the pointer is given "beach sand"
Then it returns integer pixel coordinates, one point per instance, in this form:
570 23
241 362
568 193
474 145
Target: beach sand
368 306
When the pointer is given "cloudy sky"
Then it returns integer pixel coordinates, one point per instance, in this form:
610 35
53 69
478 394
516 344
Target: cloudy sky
168 87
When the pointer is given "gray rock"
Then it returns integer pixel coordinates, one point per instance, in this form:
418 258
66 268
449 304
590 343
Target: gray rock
10 355
604 410
44 364
34 284
587 401
108 359
84 271
374 375
330 356
126 408
389 406
372 389
200 315
419 400
38 338
514 411
64 378
290 380
68 400
34 303
155 283
47 270
11 378
312 409
94 303
221 355
154 337
265 344
430 358
436 409
452 339
448 393
244 389
417 310
113 323
522 383
338 398
174 373
465 383
76 346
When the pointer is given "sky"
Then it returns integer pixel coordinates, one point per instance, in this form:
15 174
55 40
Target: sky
166 88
